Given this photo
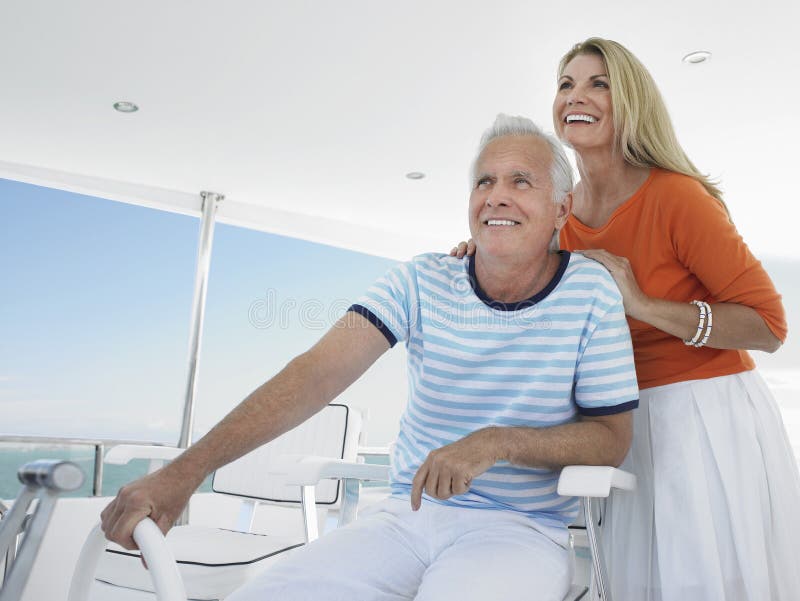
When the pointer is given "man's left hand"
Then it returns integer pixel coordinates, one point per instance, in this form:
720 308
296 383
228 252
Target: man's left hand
449 470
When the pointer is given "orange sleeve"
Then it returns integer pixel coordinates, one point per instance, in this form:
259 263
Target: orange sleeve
710 247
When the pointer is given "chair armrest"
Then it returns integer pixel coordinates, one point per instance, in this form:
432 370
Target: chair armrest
593 480
160 562
310 470
124 453
307 471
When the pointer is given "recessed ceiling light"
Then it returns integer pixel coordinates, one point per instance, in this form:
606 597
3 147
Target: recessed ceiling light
124 106
415 175
695 58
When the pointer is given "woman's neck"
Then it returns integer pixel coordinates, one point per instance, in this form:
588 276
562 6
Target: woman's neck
606 183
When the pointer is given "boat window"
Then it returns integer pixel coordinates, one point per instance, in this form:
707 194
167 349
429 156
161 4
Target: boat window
94 325
271 298
94 320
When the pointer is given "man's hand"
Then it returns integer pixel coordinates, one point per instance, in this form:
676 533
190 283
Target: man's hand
449 471
160 496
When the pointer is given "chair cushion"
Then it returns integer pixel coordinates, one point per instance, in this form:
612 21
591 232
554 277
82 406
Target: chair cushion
213 562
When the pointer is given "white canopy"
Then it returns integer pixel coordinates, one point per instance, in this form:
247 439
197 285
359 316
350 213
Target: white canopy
308 115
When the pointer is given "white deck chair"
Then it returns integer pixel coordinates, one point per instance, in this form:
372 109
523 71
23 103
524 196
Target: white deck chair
588 482
213 562
591 483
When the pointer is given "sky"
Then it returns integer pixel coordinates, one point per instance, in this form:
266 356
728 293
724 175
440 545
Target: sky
95 305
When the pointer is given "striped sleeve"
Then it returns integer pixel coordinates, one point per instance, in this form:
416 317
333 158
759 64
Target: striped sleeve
388 303
605 379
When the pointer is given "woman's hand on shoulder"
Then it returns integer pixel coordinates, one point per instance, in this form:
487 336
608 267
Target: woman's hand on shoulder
463 248
735 326
620 269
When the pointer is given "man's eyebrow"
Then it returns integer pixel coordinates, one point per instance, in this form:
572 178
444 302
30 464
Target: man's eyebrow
519 172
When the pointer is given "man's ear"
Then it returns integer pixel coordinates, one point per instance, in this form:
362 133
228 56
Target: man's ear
563 210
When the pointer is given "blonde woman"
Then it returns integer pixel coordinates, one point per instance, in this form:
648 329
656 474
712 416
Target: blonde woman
715 514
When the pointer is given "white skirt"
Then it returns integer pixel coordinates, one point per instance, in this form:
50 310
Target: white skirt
716 512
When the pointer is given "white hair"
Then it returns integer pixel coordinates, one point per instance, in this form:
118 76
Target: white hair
508 125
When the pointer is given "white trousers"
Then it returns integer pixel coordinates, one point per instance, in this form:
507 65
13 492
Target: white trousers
391 553
715 512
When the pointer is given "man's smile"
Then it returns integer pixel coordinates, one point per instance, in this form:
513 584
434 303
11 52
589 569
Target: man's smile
500 222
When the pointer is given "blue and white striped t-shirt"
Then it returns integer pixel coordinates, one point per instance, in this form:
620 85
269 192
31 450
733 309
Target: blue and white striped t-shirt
474 363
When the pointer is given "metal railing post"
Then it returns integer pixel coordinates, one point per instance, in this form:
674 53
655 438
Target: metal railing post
97 483
43 480
5 562
210 202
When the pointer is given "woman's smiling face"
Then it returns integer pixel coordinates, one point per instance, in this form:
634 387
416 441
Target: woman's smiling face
582 111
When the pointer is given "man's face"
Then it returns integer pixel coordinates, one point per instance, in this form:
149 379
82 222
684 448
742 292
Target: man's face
511 208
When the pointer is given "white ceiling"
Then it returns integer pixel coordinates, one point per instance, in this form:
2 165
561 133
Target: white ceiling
307 115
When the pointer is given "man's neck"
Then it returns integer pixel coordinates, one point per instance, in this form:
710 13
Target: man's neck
514 281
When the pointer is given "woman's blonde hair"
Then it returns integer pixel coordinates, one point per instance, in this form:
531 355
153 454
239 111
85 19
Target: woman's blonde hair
642 125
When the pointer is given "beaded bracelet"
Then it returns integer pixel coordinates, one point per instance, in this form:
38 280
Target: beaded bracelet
709 322
701 323
704 323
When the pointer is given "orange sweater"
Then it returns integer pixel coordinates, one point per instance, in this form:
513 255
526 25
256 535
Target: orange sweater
682 246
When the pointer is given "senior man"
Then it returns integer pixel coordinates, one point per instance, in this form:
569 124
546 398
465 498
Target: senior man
519 362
